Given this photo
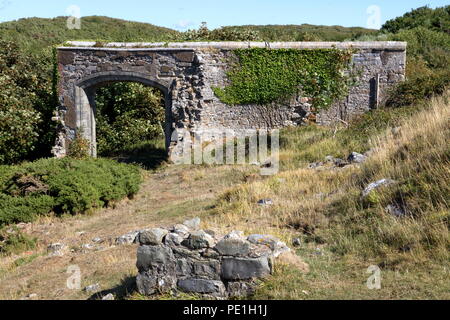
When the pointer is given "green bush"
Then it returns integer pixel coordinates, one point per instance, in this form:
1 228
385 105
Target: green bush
434 19
419 88
127 113
63 186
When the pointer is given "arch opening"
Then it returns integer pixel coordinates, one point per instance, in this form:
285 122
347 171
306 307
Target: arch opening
95 105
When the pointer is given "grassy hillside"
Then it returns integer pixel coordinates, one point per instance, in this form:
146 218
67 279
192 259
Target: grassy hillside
305 32
34 34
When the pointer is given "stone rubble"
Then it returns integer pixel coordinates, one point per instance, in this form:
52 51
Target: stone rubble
188 259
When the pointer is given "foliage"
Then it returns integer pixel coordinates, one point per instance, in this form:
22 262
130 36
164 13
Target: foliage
127 113
80 147
18 119
34 34
304 32
221 34
419 88
433 19
431 46
63 186
263 76
14 241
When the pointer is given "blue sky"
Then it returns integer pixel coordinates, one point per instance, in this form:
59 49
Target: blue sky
183 14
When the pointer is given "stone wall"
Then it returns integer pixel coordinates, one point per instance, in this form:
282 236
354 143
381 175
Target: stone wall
187 259
186 73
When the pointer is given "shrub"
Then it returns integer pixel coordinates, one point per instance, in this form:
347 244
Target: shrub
63 186
80 147
419 88
127 113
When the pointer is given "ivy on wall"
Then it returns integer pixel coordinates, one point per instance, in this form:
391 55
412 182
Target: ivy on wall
263 76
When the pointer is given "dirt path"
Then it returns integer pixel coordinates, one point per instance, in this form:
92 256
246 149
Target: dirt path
166 197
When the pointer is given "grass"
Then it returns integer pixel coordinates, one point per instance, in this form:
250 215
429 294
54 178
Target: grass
325 209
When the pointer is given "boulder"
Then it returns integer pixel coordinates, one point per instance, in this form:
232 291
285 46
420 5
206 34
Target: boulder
173 239
233 247
152 237
356 157
245 268
198 240
128 238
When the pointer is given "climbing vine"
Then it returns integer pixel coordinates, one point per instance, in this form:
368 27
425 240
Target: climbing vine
263 76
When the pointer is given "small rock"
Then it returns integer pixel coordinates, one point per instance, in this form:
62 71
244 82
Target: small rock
272 242
356 157
57 249
198 240
376 185
193 224
265 202
80 233
128 238
181 230
152 237
315 165
31 296
109 297
97 240
395 210
235 235
297 242
173 239
88 246
93 288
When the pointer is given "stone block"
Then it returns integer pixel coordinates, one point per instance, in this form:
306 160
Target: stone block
202 286
245 268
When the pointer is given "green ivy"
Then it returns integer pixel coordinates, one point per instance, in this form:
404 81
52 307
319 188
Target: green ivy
263 76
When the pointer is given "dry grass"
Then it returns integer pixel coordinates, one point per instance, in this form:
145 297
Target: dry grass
341 233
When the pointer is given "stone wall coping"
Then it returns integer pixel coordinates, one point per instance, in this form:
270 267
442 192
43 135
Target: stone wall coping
171 46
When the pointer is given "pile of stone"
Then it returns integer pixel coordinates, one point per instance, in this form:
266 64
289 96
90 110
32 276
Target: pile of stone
185 258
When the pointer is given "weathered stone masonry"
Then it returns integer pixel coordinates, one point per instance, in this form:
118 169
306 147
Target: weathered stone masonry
186 73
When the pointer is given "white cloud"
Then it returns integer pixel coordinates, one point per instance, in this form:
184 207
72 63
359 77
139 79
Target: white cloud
184 24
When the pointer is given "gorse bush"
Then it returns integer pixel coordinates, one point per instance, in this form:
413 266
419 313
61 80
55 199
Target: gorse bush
63 186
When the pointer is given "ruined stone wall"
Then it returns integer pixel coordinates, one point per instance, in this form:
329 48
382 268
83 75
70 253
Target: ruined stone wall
186 73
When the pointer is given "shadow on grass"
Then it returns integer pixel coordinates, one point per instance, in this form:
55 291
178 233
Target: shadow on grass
148 154
120 292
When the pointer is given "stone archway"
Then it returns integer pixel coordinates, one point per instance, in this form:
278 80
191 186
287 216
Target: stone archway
85 101
187 74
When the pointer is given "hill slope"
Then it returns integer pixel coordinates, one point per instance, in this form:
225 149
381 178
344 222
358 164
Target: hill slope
33 34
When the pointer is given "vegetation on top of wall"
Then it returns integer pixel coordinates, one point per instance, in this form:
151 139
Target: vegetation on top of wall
63 186
263 76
